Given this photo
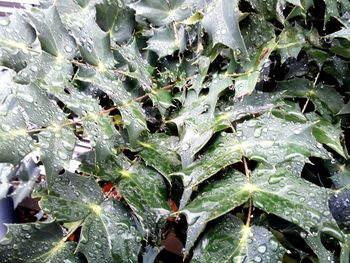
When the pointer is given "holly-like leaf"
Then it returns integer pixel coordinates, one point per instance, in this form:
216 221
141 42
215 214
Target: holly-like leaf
145 191
27 174
159 153
162 13
17 38
255 104
102 134
49 245
245 84
315 242
342 33
138 67
166 41
123 26
329 134
272 190
226 28
269 9
278 192
290 42
132 113
56 146
215 200
14 132
330 11
53 36
231 241
258 139
93 42
323 96
104 221
196 122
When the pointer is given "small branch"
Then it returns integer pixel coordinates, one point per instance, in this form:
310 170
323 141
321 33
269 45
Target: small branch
305 105
247 174
247 224
316 79
313 86
246 169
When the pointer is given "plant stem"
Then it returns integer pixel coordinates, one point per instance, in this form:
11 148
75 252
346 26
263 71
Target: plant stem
305 105
247 174
313 86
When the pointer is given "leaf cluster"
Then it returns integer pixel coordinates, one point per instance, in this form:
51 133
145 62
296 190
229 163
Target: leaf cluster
229 116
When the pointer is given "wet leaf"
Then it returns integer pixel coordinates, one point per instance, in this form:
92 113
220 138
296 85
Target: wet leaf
231 241
145 191
324 97
166 41
290 42
245 84
316 245
104 221
329 134
53 36
215 200
56 149
138 67
159 153
345 250
273 191
195 122
49 245
162 13
258 139
226 28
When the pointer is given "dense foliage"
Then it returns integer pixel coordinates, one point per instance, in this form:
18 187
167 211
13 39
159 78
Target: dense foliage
227 118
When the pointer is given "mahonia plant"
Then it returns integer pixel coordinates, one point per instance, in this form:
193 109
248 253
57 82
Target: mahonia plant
228 118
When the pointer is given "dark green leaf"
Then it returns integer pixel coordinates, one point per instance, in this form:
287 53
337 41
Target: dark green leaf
323 96
145 191
324 256
196 122
274 191
49 246
159 153
225 29
138 67
231 241
56 149
74 197
162 13
290 42
260 139
53 36
166 41
215 200
329 134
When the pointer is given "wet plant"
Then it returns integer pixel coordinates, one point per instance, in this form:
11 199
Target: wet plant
227 118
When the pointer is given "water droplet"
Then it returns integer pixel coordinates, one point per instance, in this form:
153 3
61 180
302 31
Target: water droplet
297 132
262 249
257 259
185 147
68 49
26 227
5 127
33 68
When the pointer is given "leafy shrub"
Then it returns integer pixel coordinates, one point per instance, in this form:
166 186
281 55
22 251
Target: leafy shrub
227 115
